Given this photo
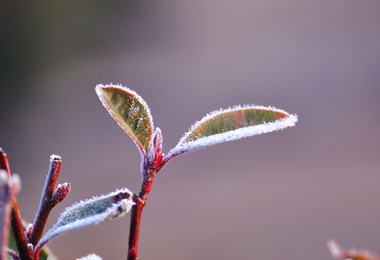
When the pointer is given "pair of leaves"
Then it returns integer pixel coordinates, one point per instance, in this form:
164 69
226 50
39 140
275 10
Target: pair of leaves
133 115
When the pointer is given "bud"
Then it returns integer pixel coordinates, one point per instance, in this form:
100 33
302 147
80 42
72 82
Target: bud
60 193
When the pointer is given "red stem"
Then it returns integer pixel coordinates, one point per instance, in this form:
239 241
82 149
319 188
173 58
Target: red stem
134 229
16 222
136 213
18 232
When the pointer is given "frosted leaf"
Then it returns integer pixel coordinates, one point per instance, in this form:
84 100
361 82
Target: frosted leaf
90 212
130 112
90 257
232 124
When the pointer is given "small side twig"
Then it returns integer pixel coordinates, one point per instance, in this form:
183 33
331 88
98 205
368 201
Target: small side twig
46 202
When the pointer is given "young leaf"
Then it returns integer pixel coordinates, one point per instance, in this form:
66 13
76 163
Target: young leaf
130 112
90 212
232 124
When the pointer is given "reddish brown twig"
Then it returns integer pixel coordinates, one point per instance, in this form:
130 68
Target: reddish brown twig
47 203
136 213
16 222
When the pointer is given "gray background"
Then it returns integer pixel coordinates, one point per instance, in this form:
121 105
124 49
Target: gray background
277 196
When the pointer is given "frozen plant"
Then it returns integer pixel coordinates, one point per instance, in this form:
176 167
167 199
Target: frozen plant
133 115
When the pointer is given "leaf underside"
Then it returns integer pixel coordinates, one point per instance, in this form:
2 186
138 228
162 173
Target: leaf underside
90 212
130 111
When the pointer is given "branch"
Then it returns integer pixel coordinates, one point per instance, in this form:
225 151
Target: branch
134 228
16 222
47 202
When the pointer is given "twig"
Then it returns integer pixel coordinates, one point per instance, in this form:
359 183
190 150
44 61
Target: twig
46 202
16 222
18 232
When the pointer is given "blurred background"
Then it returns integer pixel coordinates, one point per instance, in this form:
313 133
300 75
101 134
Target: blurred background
281 195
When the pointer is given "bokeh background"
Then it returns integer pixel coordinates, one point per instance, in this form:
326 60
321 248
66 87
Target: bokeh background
281 195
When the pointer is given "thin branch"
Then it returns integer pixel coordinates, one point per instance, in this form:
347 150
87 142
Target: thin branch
134 228
46 202
18 232
16 222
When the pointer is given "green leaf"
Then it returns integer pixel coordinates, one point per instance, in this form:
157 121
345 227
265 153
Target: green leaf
232 124
130 112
